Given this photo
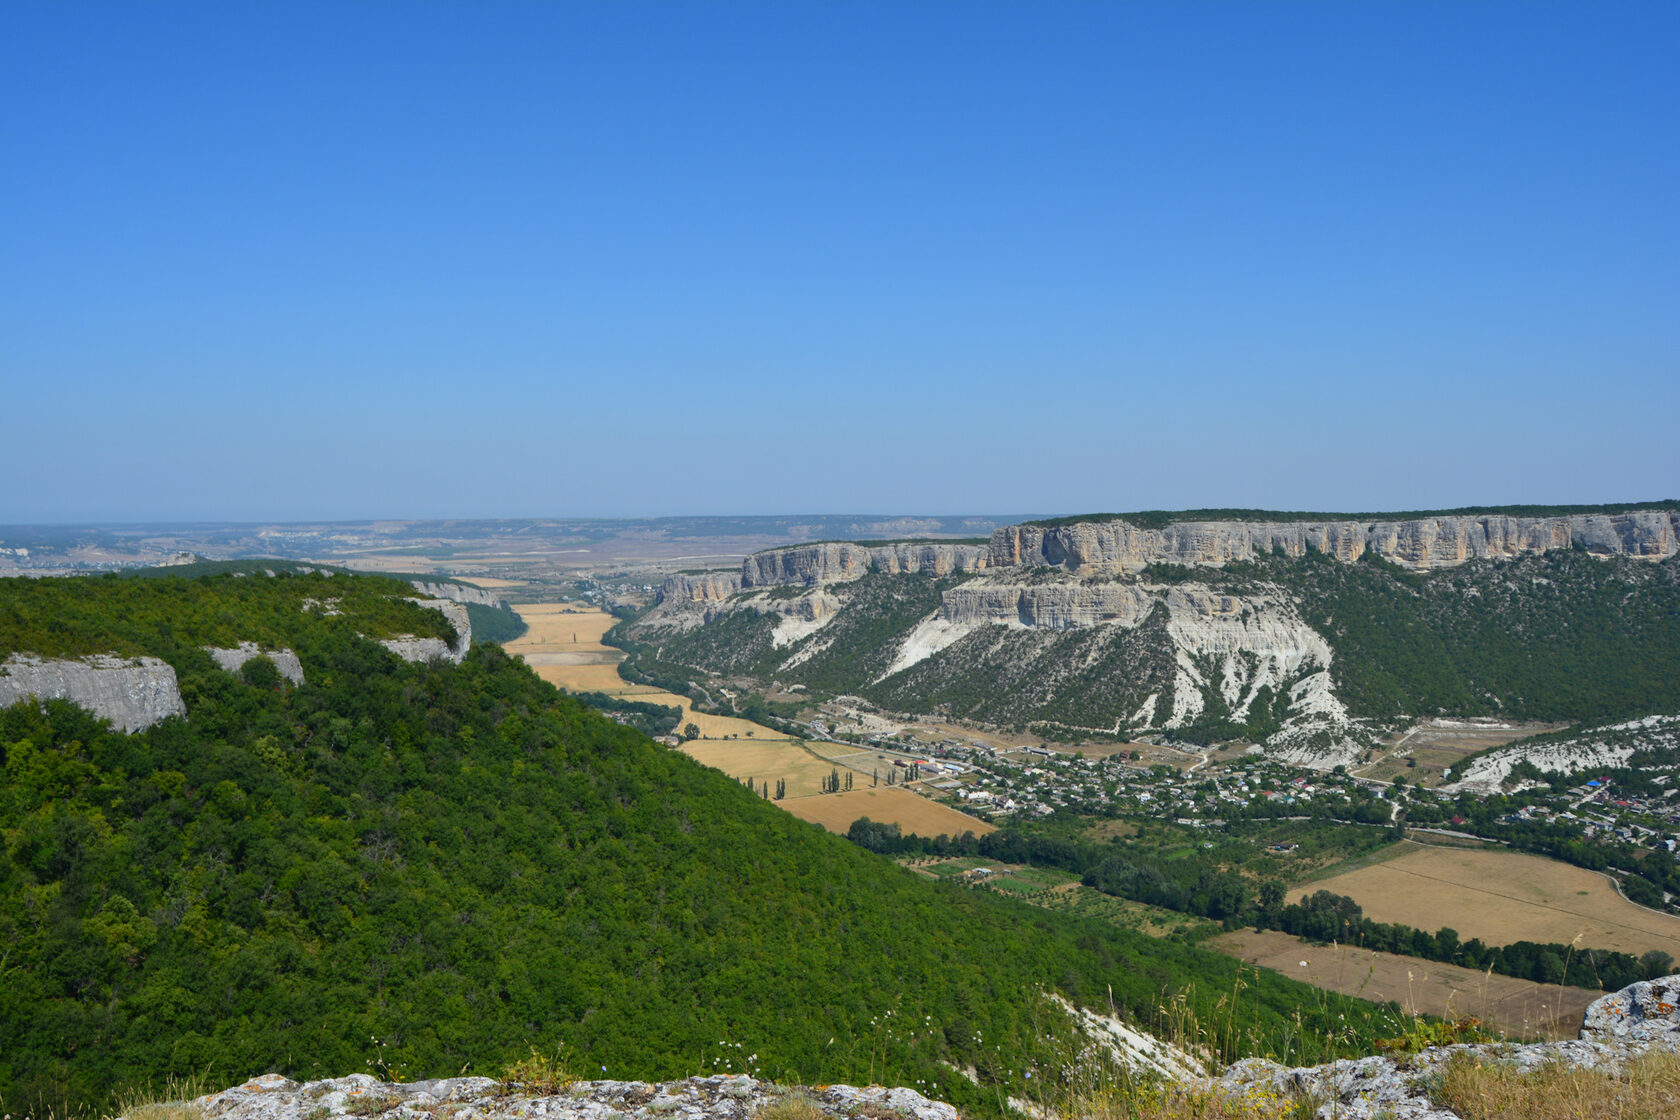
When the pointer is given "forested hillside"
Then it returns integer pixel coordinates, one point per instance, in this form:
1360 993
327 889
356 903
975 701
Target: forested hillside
460 862
1556 636
1561 635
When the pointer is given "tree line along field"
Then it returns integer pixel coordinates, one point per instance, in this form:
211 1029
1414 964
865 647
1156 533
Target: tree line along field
1503 896
888 804
1516 1008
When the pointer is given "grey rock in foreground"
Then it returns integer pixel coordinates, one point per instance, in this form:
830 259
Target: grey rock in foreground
272 1097
133 693
1617 1028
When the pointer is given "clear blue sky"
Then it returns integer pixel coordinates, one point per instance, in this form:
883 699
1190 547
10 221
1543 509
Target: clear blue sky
340 260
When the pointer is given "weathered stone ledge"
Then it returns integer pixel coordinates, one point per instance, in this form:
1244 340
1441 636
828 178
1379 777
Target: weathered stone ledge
272 1097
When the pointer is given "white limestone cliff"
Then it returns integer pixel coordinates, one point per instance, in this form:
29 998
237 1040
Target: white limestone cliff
284 659
133 693
1113 547
410 648
458 593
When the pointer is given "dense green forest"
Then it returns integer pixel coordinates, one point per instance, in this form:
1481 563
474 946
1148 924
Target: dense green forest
461 862
489 624
1560 635
170 617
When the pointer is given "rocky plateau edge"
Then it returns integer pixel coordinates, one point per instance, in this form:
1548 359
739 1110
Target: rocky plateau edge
1616 1028
1114 547
1117 547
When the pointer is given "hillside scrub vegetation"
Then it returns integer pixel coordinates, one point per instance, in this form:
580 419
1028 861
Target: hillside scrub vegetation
462 863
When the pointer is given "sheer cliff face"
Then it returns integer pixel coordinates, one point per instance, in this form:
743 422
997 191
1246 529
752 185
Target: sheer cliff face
1056 625
840 562
457 593
410 648
133 693
702 587
1113 547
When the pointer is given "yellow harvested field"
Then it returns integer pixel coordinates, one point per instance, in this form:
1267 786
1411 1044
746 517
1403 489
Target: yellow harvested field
837 811
555 627
1517 1008
596 678
564 646
765 761
1501 897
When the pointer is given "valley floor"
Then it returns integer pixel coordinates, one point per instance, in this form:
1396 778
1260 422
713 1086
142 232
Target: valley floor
1503 896
564 647
1517 1009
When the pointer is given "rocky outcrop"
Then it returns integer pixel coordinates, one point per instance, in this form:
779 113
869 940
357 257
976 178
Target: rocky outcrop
284 659
1644 1013
1055 606
410 648
133 693
1616 1029
458 593
809 564
1224 643
272 1097
839 561
1115 547
930 558
1599 748
700 587
1112 547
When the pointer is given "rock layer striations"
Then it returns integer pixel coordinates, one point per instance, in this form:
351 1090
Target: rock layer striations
133 693
840 561
1114 547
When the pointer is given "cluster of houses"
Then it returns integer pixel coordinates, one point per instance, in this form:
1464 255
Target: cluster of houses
1601 811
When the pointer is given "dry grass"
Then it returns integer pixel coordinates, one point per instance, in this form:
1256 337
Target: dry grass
553 626
1477 1089
794 1106
1518 1008
1167 1102
892 804
1501 897
174 1101
564 647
